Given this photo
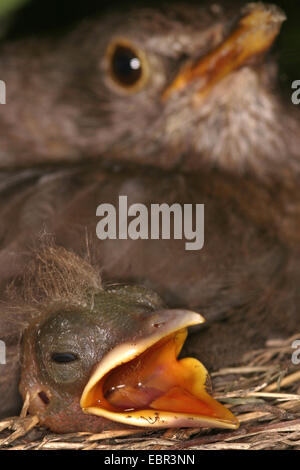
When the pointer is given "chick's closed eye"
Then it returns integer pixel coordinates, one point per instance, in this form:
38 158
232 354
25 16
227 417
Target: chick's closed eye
63 358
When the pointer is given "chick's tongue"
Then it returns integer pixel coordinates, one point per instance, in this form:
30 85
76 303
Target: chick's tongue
155 379
139 382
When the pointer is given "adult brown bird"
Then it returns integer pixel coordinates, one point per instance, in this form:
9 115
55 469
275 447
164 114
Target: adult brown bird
178 86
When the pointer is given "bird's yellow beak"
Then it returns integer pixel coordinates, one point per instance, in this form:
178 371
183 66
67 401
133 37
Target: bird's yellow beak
254 34
144 384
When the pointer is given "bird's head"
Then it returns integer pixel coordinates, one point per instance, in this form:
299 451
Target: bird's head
95 357
181 86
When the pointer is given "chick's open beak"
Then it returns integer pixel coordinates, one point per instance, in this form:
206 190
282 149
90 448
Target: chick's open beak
144 384
254 34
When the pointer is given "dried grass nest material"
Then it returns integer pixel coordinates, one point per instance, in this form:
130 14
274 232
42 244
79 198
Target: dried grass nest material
263 392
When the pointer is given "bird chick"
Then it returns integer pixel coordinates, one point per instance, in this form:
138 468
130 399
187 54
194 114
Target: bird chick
96 356
177 86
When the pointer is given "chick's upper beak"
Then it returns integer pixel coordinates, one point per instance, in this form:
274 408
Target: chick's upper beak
144 384
254 34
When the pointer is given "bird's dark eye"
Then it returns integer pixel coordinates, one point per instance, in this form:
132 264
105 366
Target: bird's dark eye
127 66
63 358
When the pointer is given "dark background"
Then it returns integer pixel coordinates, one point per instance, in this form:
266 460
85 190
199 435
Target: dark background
39 17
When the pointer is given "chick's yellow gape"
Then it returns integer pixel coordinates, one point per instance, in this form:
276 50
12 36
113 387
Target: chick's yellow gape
157 380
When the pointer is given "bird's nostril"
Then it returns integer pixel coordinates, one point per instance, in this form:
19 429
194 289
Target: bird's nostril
158 325
44 397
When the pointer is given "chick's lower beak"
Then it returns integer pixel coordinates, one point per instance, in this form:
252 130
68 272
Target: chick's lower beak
144 384
254 34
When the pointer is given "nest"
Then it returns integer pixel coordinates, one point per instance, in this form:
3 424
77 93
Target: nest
263 392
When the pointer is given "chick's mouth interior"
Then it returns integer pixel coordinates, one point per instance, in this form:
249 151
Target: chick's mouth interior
157 380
